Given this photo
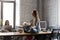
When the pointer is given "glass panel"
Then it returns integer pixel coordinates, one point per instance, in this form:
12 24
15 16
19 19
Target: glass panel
0 10
17 13
8 12
59 14
0 14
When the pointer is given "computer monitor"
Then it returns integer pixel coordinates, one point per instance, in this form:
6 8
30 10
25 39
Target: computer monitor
43 24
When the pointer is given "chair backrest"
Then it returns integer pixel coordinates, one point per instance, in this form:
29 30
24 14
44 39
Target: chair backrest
55 33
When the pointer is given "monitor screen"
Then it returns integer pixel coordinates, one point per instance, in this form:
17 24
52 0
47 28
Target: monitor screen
43 24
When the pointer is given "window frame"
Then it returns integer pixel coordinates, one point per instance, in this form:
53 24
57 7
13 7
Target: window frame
14 14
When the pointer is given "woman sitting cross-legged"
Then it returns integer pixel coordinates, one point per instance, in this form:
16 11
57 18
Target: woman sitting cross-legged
35 25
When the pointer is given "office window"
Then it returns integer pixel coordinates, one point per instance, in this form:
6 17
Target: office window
58 7
8 12
58 13
17 13
0 10
0 14
11 12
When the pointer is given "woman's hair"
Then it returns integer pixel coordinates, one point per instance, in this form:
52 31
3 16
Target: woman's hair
7 22
35 15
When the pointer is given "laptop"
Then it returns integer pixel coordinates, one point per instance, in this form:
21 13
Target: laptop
43 25
9 28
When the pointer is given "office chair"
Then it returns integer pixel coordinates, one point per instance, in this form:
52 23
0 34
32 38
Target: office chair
54 35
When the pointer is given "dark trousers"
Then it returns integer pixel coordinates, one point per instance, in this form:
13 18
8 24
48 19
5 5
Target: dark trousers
7 38
42 37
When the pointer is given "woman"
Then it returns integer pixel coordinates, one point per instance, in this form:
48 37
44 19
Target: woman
7 27
35 22
36 19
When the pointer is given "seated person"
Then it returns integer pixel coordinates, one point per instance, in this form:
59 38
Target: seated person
7 26
35 23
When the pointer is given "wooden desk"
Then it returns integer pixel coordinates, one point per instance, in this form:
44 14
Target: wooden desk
20 34
48 32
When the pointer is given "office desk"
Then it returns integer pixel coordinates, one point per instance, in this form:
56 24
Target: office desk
48 32
20 34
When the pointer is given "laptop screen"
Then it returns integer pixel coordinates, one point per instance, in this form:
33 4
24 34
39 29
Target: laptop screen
9 28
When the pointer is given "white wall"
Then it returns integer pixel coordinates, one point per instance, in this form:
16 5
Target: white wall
50 12
40 9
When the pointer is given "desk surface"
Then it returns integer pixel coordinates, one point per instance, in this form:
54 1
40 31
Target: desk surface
18 33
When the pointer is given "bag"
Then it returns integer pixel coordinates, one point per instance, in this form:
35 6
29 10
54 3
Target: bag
27 29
